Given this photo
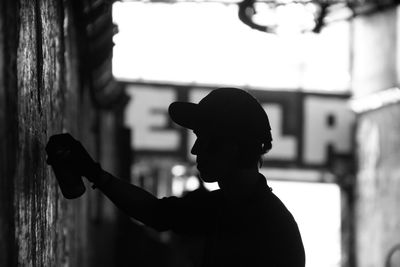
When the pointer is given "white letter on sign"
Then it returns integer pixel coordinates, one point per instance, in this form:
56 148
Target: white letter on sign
147 116
327 121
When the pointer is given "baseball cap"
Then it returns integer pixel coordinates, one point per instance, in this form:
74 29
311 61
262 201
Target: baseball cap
224 112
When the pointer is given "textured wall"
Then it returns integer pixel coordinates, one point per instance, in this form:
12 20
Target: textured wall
39 96
378 186
377 199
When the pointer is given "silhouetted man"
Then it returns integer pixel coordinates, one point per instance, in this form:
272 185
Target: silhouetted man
243 222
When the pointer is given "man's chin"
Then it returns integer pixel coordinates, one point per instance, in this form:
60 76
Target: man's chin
207 178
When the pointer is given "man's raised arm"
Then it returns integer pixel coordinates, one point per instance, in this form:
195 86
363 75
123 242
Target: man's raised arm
70 156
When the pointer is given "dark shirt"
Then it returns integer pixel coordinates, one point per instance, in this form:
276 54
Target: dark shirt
257 232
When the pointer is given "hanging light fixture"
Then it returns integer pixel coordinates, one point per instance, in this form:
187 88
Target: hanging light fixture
271 16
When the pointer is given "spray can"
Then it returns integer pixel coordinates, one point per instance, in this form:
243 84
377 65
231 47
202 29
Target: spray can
68 179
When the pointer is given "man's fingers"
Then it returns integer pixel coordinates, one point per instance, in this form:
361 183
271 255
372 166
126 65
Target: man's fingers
58 141
59 149
60 156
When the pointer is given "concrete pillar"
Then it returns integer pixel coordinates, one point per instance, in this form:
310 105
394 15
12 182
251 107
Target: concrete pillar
377 199
374 52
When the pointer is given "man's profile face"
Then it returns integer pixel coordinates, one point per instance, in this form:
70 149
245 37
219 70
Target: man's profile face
212 157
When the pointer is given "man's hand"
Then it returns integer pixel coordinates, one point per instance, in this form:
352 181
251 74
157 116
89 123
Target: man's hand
64 150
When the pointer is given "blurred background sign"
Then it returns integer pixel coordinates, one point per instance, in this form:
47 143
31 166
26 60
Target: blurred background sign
309 129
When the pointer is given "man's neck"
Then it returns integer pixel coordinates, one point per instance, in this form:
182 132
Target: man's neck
239 184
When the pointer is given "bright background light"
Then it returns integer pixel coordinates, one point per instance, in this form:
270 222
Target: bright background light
316 208
207 44
178 170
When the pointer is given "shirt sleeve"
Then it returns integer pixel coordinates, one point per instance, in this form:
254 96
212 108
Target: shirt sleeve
192 214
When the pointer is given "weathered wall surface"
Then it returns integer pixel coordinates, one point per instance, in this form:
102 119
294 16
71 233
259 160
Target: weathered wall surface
377 200
378 186
40 95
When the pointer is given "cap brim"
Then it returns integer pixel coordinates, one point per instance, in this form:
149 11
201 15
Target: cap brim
185 114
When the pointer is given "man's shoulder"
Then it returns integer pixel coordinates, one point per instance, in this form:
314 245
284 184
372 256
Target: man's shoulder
273 212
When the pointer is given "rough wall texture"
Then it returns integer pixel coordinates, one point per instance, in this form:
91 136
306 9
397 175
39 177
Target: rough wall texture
377 200
378 186
40 95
